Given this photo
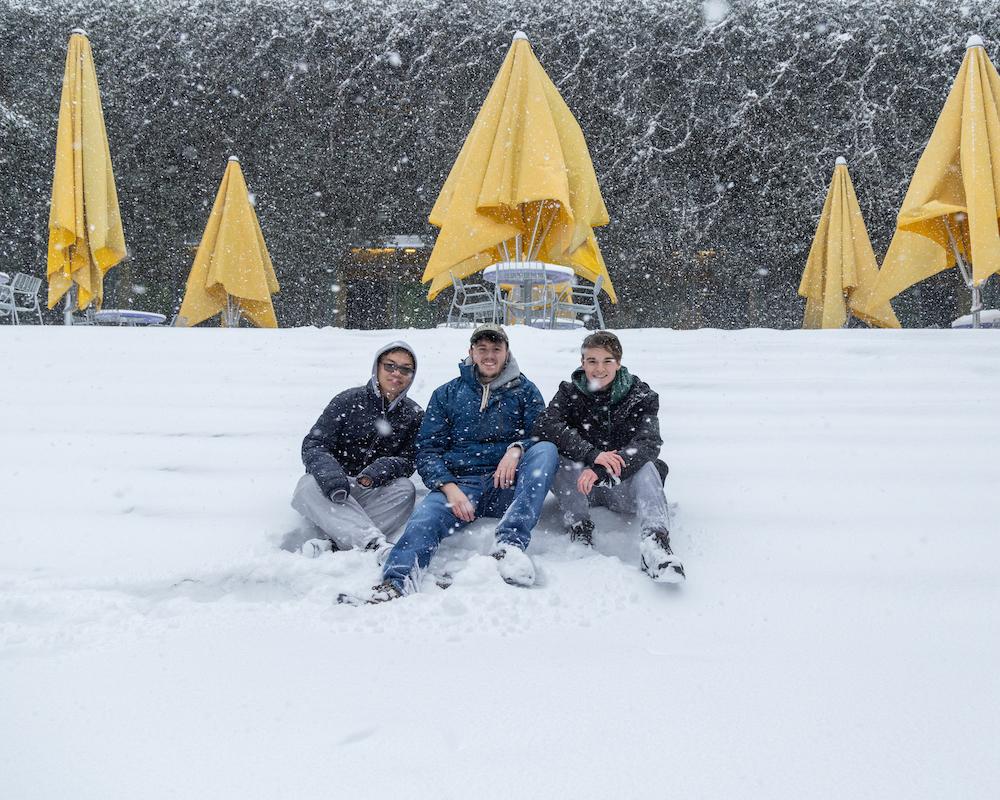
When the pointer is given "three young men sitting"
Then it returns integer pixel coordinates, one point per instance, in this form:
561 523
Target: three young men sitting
487 447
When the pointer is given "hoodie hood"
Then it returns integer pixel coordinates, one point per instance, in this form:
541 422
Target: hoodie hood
510 373
398 344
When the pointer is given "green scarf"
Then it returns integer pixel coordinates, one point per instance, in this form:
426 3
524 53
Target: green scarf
619 386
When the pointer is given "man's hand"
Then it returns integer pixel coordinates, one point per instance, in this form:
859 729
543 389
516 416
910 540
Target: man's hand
586 481
612 462
459 504
365 481
506 472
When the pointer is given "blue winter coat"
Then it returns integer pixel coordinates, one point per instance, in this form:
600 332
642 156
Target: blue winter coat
457 439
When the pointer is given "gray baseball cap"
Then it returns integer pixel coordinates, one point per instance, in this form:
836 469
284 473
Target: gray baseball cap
490 331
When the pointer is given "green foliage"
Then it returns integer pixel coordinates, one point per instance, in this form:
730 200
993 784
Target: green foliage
714 143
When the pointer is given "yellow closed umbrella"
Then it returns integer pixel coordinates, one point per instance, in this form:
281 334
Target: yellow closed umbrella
841 270
523 186
949 214
85 227
232 272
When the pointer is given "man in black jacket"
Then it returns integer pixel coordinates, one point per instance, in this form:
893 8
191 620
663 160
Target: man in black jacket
604 421
359 457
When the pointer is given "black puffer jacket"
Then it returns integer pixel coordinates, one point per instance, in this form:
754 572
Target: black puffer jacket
624 418
358 435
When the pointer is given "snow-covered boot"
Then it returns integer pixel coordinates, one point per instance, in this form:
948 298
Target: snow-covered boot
658 560
514 565
582 532
385 592
314 548
381 547
382 593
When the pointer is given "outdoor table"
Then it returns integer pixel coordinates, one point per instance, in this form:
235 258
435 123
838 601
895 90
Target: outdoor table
528 274
988 318
128 317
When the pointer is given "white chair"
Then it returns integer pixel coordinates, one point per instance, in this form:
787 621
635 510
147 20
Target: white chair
582 301
472 303
24 290
8 306
526 310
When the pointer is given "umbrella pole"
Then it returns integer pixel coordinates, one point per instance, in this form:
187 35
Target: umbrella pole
977 303
70 302
538 249
534 231
232 314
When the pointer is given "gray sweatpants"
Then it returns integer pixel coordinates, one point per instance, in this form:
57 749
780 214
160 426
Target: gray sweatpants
367 514
642 495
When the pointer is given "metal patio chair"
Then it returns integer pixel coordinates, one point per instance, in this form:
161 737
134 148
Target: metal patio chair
472 303
8 306
24 289
581 301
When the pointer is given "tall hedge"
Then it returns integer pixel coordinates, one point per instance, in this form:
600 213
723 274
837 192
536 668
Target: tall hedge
714 137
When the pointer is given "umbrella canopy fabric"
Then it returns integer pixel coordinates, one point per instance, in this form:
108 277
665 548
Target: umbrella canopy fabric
232 263
956 184
841 269
85 226
524 170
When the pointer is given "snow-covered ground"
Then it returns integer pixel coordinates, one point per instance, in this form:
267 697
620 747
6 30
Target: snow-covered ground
837 637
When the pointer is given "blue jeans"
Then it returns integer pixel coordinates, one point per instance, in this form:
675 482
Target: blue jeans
518 509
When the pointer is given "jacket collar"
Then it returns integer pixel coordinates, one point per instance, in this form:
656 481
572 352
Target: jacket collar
620 387
510 375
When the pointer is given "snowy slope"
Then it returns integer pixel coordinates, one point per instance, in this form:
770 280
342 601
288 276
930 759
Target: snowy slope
836 512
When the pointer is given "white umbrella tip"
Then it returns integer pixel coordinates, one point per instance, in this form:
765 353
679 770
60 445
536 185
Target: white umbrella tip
974 41
841 160
234 158
519 35
80 31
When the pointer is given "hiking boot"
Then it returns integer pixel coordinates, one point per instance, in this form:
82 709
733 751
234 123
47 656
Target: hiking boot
385 592
314 548
382 549
382 593
582 532
514 565
658 560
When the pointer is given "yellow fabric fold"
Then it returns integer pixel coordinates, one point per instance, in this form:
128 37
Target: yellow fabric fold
524 161
232 260
957 179
841 270
85 228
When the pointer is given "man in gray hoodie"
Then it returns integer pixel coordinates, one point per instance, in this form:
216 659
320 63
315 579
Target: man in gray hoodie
359 457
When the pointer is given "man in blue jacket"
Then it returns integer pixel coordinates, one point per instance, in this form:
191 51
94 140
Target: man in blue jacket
359 457
476 455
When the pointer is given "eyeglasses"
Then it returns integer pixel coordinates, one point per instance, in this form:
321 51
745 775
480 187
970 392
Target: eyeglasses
390 366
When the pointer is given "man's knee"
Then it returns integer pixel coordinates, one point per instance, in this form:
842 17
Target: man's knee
401 492
433 507
307 493
432 519
543 455
648 474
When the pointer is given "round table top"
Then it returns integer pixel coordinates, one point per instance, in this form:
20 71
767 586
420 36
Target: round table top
519 271
129 315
